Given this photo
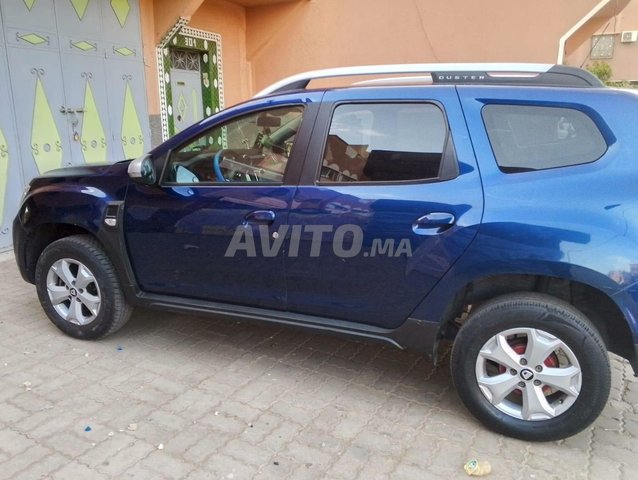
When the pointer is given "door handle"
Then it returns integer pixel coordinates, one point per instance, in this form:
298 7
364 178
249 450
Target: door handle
261 217
433 223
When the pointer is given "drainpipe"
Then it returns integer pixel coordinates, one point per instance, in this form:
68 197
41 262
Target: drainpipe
571 31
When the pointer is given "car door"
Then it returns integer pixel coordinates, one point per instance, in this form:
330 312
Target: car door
389 199
223 191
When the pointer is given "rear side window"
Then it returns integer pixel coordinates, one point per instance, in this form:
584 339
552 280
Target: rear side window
384 143
527 137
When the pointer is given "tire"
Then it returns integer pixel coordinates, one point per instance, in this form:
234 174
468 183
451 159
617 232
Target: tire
491 352
79 290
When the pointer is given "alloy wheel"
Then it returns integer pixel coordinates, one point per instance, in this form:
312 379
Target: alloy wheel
528 374
73 291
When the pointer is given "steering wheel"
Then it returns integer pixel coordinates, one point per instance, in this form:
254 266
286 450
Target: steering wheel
219 176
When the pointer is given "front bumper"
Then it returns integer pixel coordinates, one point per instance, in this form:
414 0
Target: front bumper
20 243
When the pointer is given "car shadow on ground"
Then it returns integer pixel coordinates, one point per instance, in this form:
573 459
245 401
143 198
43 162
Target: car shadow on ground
344 361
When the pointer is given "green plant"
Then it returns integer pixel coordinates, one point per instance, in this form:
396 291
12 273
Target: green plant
622 84
601 69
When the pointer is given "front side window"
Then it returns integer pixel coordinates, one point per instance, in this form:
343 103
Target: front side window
525 137
384 143
253 148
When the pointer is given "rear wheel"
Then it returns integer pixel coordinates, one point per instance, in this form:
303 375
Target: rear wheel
79 290
531 367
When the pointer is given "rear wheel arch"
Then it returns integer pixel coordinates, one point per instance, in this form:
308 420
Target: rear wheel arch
599 308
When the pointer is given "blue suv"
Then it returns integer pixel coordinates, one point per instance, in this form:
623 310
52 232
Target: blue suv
490 207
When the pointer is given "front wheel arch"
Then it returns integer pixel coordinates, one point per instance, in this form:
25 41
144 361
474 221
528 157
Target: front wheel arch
44 235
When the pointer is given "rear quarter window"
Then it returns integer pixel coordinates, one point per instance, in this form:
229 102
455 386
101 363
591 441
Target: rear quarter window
525 137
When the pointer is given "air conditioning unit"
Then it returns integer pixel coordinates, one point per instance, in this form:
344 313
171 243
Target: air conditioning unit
629 36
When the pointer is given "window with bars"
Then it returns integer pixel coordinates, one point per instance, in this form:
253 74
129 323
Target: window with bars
185 60
602 46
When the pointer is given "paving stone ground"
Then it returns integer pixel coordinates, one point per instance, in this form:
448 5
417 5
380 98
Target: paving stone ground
212 399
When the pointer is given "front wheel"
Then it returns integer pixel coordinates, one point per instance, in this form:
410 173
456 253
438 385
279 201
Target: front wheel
532 367
78 288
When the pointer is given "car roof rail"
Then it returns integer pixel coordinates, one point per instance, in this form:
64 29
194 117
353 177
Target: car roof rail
539 74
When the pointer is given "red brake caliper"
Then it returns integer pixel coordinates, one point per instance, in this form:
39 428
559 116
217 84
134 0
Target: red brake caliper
519 345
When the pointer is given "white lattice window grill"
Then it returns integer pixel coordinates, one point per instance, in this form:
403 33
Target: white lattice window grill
602 46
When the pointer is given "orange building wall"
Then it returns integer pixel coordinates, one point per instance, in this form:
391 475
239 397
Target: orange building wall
264 40
217 16
284 39
625 62
228 20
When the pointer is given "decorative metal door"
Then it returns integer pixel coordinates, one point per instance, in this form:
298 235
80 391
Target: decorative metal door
128 118
76 84
11 179
189 46
186 85
36 84
127 102
82 59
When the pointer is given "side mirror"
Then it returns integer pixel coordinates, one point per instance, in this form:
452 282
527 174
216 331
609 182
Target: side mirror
142 170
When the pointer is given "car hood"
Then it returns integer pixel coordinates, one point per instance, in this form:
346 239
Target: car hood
104 181
87 170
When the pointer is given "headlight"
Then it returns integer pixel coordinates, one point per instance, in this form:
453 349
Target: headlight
25 192
26 214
